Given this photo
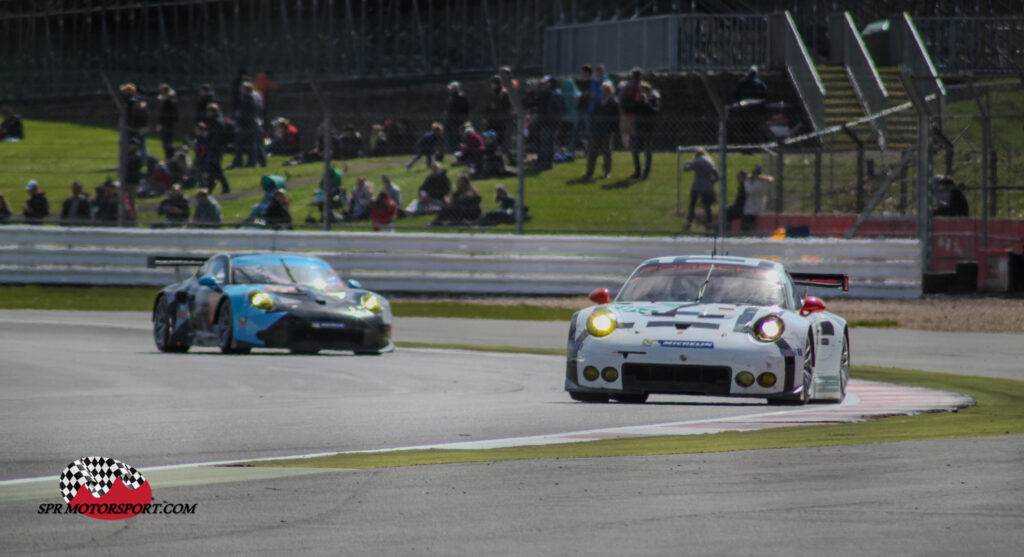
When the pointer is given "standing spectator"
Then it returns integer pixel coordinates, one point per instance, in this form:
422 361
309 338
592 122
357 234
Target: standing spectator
133 166
432 192
498 113
206 98
749 115
570 96
285 140
378 141
174 207
629 97
37 207
11 129
264 84
950 197
596 83
581 131
429 146
248 137
5 209
394 193
104 205
471 151
277 214
214 139
76 209
750 87
456 111
705 174
383 211
645 115
207 212
167 118
756 187
462 205
137 113
236 87
604 124
362 198
548 107
735 211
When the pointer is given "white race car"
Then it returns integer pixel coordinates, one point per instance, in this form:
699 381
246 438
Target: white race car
710 325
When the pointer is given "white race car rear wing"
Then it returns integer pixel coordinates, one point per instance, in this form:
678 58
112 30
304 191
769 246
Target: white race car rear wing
154 261
823 280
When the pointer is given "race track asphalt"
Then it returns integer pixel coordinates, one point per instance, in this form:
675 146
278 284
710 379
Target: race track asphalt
77 384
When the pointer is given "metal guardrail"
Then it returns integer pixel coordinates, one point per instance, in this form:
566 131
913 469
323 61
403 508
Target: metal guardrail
439 263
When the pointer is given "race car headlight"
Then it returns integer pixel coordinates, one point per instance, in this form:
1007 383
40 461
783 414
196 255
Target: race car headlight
744 379
768 328
601 323
372 303
261 300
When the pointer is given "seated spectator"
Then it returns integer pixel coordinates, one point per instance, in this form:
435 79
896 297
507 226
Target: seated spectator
430 145
462 206
950 196
207 212
76 209
471 151
179 166
378 141
383 211
506 211
492 163
285 139
270 185
362 198
104 205
174 206
5 209
351 144
157 183
317 152
37 207
432 192
277 215
11 129
400 139
393 191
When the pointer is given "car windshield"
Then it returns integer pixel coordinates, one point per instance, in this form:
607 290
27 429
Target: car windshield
681 282
283 273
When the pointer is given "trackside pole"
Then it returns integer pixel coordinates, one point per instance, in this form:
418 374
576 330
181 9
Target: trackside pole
327 177
517 102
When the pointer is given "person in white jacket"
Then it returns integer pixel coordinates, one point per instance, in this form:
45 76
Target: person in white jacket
756 186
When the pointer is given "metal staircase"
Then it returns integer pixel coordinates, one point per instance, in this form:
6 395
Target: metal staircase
900 127
841 105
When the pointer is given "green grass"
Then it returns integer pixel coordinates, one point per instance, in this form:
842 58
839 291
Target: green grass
999 411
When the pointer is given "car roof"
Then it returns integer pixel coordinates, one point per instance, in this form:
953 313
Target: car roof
274 257
721 259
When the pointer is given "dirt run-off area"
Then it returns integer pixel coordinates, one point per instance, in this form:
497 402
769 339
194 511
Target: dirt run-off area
979 314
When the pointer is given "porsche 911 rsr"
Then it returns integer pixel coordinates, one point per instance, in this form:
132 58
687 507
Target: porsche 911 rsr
704 325
240 301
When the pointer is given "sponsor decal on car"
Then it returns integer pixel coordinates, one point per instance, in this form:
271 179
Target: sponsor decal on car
328 325
703 344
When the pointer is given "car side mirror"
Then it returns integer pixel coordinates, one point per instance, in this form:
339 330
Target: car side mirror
601 296
811 305
210 282
353 283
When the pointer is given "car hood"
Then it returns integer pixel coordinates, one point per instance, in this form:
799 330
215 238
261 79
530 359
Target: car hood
643 315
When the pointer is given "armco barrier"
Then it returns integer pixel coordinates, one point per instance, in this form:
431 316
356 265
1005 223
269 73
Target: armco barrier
440 263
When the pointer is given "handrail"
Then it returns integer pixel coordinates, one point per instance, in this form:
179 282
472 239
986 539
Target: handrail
804 75
863 73
917 59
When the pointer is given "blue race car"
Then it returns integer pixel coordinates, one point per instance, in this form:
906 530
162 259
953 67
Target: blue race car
240 301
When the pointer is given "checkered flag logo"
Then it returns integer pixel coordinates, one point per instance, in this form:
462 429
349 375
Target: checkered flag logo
97 474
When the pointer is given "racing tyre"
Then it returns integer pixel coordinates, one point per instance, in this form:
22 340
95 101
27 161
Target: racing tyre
588 397
631 398
808 370
163 325
844 368
225 331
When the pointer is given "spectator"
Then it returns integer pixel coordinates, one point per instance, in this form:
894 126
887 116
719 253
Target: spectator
5 209
394 193
248 123
570 97
498 113
157 183
756 188
337 196
362 198
167 118
207 212
629 97
350 144
735 211
76 209
749 116
645 118
270 184
548 107
581 131
604 124
432 192
264 84
277 214
705 174
400 139
285 139
236 87
11 129
378 141
750 87
506 211
471 151
456 111
211 139
174 207
104 205
950 196
317 152
492 163
181 168
133 165
137 116
383 211
37 207
429 146
206 98
462 206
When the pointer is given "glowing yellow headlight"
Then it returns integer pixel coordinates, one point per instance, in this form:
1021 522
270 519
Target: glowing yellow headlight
601 323
768 328
767 379
744 379
371 302
261 300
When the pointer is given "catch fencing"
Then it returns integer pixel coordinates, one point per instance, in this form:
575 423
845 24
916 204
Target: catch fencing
453 264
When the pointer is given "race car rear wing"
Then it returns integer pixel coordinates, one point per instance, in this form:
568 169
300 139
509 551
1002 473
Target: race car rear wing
154 261
823 280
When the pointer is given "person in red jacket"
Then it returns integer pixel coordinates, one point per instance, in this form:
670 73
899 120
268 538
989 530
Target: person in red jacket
383 211
472 149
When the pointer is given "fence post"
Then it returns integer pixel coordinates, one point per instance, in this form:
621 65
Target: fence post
327 179
122 147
